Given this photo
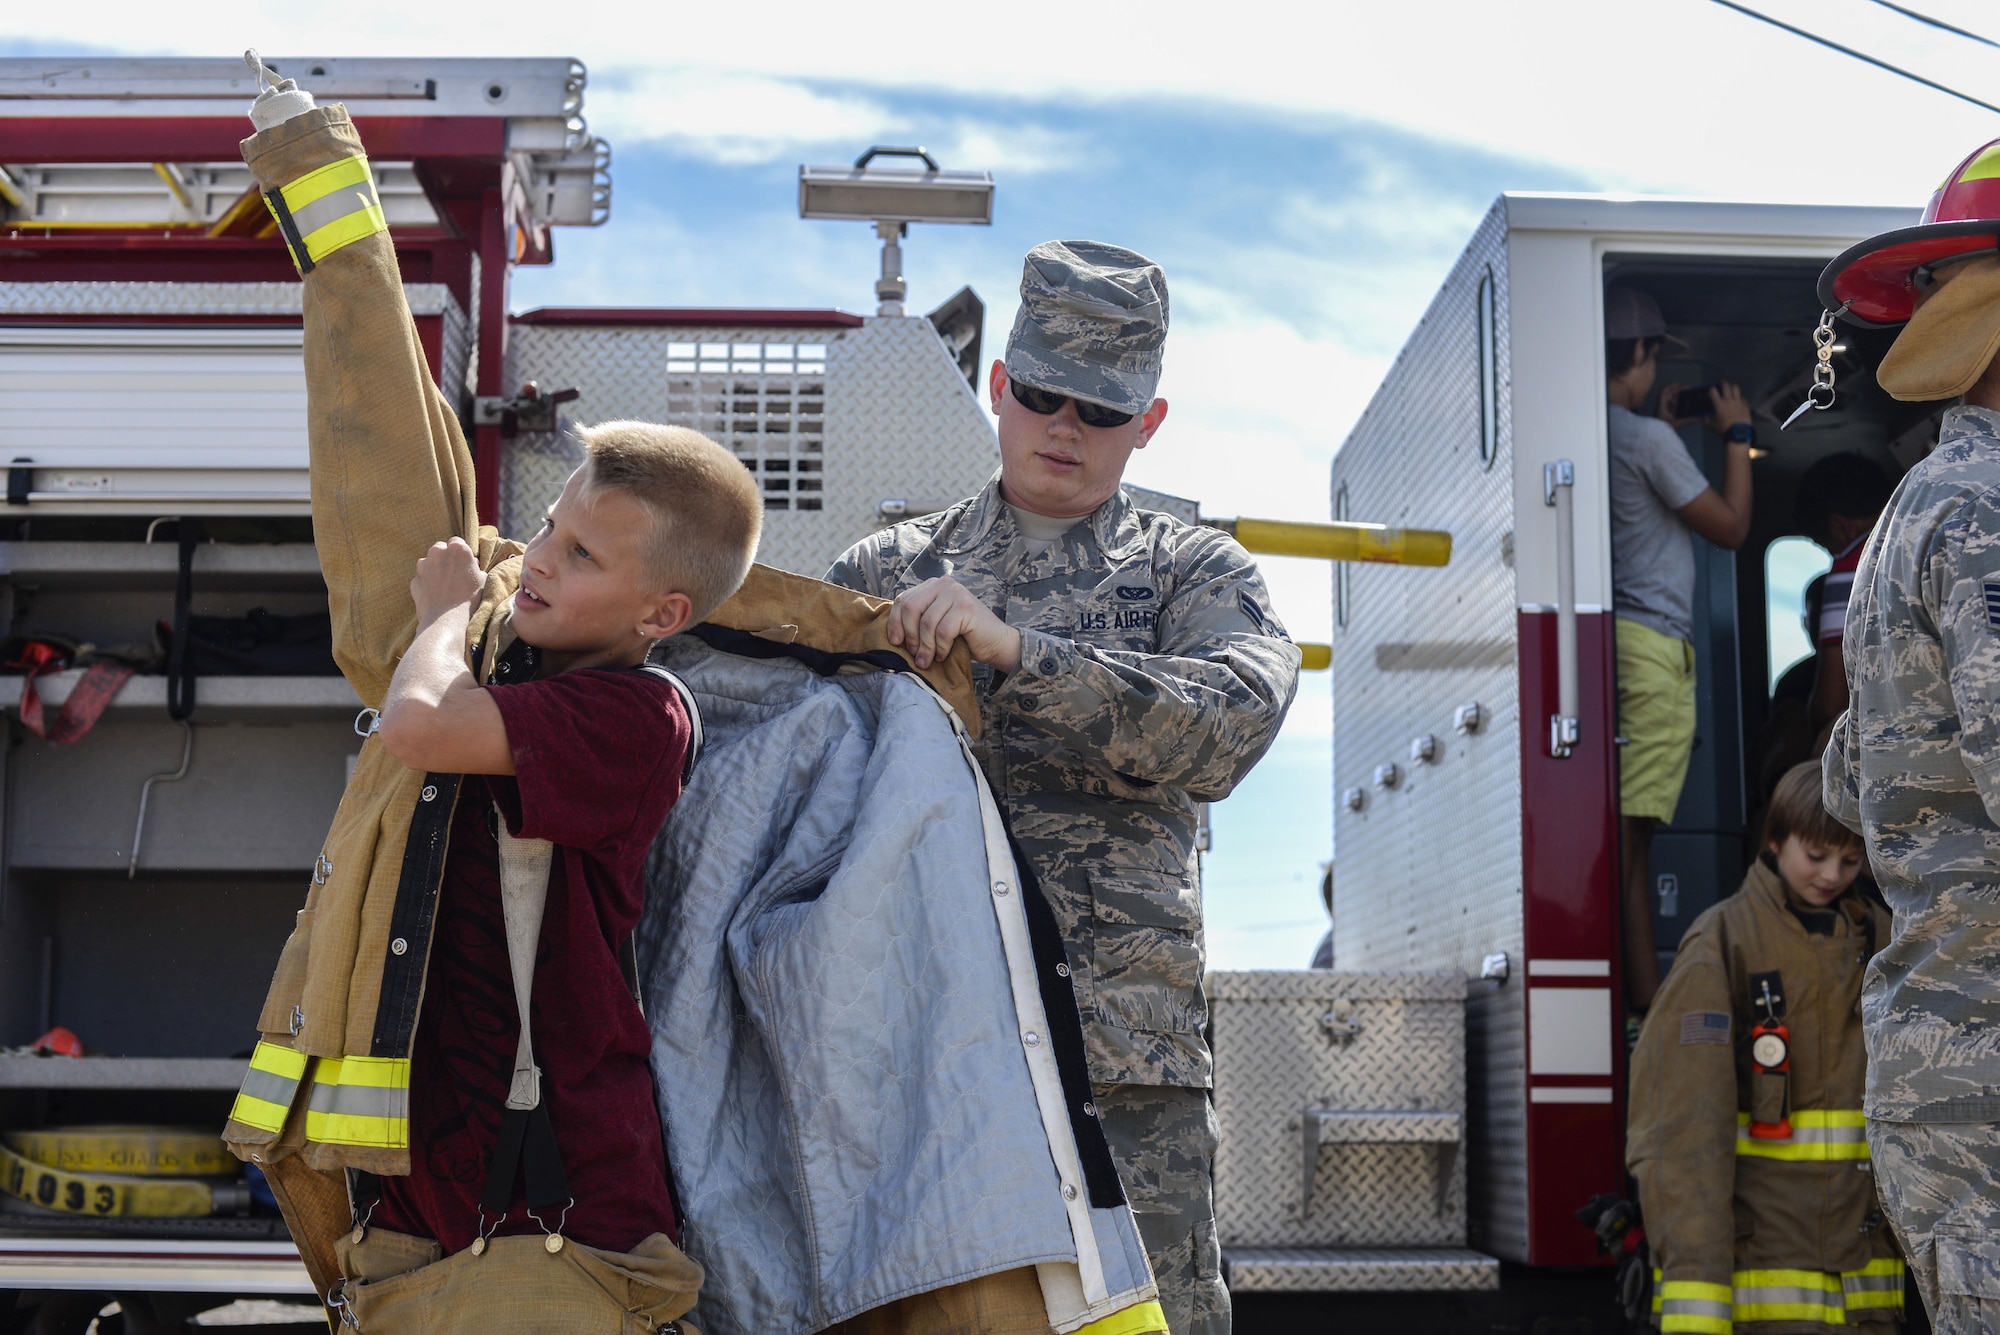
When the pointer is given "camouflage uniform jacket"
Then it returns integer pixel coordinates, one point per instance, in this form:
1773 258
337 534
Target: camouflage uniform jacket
1153 676
1914 766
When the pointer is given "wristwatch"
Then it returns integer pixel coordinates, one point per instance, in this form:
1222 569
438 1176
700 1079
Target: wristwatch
1742 433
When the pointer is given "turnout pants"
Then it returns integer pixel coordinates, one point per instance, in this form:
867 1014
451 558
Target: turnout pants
1163 1140
1940 1187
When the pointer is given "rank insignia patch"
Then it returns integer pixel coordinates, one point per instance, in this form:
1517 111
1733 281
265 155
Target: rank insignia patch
1992 591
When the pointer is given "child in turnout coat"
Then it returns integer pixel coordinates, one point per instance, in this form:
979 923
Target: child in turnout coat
1746 1134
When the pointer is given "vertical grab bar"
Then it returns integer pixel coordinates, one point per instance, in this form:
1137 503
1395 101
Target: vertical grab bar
1559 491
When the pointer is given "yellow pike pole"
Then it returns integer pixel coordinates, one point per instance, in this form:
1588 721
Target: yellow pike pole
1377 544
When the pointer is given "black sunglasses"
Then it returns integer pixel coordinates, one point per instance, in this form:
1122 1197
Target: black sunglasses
1048 404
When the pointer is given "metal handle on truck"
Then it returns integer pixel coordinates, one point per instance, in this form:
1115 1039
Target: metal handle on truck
1559 491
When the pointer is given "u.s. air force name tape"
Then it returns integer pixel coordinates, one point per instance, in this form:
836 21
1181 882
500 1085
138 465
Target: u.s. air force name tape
108 1197
138 1151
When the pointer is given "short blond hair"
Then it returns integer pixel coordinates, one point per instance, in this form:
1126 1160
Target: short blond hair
706 508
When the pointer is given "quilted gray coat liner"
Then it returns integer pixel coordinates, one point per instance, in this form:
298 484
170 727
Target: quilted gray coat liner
851 1114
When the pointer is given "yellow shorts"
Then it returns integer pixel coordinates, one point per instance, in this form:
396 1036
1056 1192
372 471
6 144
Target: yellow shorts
1656 717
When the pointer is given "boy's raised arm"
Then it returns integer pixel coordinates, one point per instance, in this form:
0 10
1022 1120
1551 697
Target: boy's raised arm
391 473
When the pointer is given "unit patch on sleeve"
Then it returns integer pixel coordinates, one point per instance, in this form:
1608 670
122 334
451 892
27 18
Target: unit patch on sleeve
1992 591
1705 1027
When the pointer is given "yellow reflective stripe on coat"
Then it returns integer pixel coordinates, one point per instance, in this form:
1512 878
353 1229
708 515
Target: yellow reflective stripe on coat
1818 1134
333 206
1789 1295
1138 1319
1778 1295
1691 1305
360 1101
1876 1286
269 1087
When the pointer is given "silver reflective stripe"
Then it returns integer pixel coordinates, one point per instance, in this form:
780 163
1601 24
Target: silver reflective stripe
1763 1294
361 1101
270 1087
1695 1307
1853 1283
332 208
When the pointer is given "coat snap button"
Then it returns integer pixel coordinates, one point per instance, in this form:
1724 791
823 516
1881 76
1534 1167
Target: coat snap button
999 887
398 946
1032 1039
430 791
1069 1191
1090 1110
1062 970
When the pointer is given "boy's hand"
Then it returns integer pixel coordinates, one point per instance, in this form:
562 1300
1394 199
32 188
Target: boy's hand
448 577
1731 408
928 619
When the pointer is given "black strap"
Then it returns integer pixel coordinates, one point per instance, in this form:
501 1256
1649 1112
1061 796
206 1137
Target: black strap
824 662
1100 1171
364 1190
527 1144
180 666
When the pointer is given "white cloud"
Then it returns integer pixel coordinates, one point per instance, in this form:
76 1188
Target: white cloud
731 117
1654 94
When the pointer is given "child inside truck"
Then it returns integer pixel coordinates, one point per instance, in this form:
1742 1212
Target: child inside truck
482 879
1659 498
1745 1127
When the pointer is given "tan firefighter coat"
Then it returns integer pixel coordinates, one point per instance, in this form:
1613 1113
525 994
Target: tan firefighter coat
328 1085
1770 1235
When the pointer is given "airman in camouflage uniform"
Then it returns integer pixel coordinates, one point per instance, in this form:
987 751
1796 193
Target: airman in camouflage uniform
1128 667
1914 766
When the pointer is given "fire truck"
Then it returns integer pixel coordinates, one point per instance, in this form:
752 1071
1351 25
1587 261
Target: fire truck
1475 736
1437 1105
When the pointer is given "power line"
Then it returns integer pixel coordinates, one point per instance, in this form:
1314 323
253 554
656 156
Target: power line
1909 13
1858 55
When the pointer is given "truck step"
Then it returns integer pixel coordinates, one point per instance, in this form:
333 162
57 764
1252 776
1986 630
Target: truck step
1357 1269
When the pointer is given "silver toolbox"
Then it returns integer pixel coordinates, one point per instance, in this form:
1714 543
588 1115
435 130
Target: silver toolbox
1341 1102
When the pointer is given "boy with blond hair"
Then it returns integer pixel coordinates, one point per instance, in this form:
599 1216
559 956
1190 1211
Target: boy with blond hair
504 1167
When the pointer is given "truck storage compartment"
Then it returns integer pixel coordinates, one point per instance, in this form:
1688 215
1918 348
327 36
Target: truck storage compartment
1340 1100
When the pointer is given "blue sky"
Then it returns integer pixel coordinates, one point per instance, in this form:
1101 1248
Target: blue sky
1299 251
1305 173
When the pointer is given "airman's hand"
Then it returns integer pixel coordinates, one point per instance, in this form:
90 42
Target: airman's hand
448 577
927 620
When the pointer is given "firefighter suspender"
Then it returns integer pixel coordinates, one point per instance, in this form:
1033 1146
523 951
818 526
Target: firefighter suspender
527 1140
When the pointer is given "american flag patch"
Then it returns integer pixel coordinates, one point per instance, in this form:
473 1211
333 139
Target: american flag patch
1992 588
1705 1027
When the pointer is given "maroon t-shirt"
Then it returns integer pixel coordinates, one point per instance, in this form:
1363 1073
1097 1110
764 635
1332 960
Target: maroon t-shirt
597 764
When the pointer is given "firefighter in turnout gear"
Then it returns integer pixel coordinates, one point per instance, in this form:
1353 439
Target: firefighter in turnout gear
1746 1133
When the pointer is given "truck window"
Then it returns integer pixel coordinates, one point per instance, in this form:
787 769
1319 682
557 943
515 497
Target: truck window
1790 564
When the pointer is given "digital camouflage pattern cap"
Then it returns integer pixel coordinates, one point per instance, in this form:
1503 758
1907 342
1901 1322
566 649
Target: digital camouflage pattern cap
1092 322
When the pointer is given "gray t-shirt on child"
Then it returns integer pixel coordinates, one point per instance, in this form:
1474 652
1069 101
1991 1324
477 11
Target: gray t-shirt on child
1652 551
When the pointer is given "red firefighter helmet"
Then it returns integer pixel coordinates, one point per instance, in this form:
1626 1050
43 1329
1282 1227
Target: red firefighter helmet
1879 278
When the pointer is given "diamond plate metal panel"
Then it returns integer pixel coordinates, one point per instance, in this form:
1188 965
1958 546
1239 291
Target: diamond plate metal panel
1295 1052
171 299
1358 1269
832 421
1429 865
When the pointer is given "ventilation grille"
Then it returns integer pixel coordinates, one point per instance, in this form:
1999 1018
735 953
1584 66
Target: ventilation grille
766 403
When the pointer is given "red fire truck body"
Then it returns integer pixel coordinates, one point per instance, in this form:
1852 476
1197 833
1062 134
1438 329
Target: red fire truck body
1476 747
